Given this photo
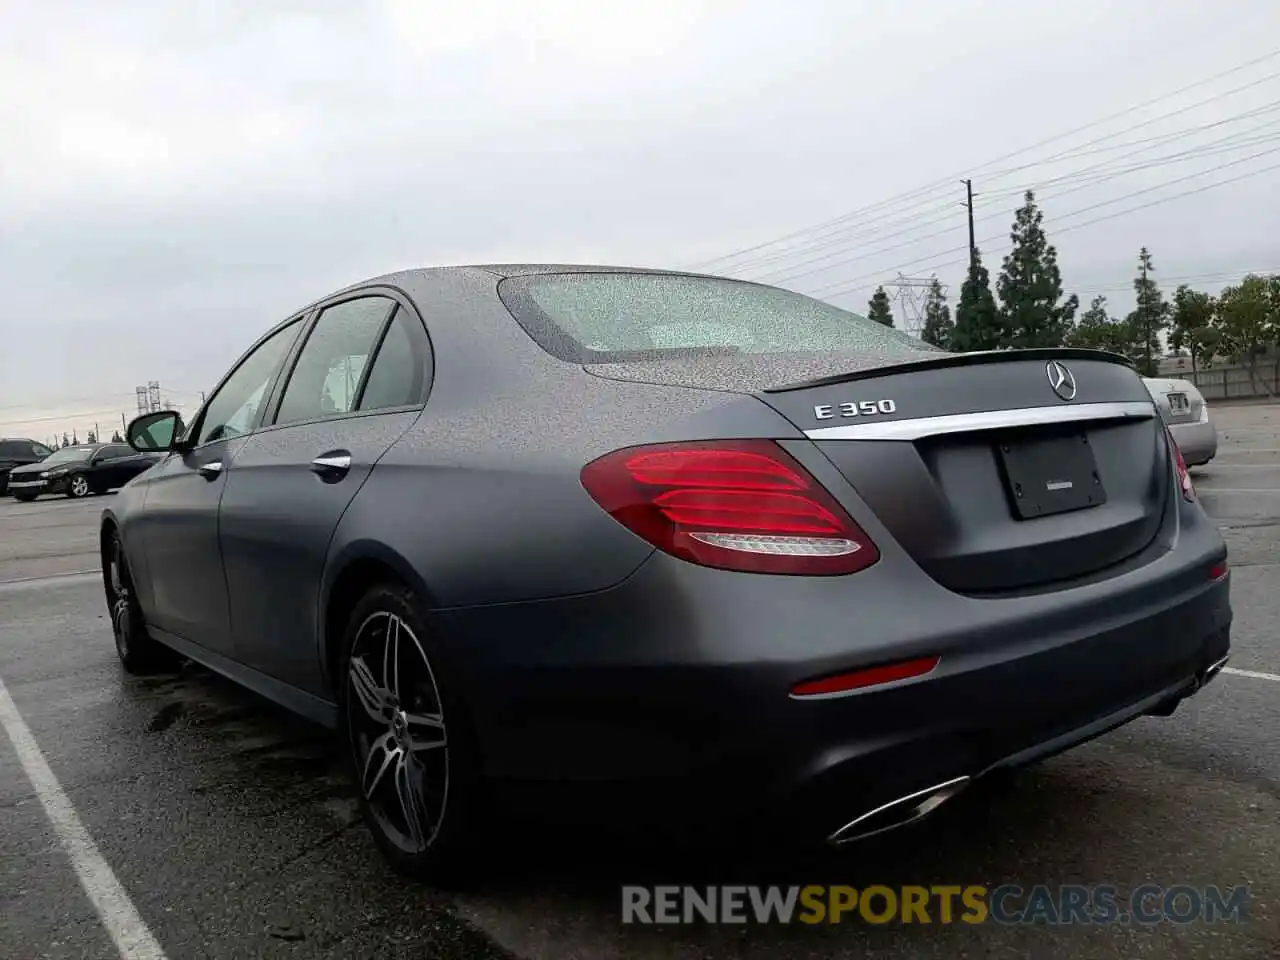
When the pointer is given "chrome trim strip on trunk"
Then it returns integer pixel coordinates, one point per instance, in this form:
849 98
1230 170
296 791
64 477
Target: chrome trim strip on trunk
920 427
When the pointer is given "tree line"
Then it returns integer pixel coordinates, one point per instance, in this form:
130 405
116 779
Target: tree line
1028 309
73 439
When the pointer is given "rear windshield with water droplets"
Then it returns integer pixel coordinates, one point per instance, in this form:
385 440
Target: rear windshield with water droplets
613 317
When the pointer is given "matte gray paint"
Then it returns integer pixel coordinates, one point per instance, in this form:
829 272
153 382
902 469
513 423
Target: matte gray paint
583 654
276 520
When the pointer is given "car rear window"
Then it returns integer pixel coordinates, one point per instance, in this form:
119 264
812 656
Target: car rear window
613 317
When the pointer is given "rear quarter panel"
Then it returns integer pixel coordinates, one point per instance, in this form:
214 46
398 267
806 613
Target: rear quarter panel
481 498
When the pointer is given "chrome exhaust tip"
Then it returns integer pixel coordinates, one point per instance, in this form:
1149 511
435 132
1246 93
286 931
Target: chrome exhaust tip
1214 670
899 813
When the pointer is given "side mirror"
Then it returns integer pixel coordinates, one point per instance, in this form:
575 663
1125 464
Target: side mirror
155 432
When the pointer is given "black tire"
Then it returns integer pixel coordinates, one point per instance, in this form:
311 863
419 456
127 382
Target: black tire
78 486
139 654
441 775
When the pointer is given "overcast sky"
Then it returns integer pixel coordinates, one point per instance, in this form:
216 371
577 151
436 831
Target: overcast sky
178 177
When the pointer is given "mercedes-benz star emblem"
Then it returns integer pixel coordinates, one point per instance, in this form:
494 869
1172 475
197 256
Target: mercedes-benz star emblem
1061 379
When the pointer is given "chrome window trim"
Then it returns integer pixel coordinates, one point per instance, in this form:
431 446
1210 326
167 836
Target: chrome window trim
917 428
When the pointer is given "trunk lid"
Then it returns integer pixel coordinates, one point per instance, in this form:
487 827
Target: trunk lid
748 372
1177 400
996 472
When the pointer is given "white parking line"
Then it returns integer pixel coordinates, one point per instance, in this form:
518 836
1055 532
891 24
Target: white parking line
1205 488
128 931
1256 675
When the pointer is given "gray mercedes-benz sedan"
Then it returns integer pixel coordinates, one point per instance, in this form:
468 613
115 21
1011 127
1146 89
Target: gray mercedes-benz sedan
672 544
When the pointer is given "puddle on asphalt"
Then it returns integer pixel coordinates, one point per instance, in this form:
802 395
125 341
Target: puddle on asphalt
165 717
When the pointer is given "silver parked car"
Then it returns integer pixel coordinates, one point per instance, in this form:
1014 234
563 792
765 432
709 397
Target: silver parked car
1187 415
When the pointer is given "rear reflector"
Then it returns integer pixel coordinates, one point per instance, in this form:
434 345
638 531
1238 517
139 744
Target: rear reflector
1218 571
870 677
731 504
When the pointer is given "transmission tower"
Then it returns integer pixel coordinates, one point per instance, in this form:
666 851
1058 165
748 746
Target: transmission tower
911 294
148 397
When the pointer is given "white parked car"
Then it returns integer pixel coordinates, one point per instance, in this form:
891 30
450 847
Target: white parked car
1187 414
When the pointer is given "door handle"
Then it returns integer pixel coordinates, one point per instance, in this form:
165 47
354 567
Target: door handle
332 465
211 470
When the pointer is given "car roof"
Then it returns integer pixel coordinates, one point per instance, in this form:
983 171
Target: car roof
501 271
507 270
532 269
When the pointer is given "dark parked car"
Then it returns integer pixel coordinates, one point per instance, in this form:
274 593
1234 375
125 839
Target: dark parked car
18 453
671 544
81 470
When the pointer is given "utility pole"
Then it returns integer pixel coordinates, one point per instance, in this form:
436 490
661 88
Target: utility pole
1146 321
968 204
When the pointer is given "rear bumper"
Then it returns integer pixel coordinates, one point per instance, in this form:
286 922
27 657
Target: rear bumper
668 696
1198 441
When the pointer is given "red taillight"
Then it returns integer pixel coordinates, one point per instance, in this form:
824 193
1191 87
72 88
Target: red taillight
870 677
733 504
1218 571
1180 466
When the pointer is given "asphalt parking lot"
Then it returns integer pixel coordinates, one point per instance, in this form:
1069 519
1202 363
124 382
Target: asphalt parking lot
231 830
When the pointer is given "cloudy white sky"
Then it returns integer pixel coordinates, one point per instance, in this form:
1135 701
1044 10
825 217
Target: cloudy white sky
177 177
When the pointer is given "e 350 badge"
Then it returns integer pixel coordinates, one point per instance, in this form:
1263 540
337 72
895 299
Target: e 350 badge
861 408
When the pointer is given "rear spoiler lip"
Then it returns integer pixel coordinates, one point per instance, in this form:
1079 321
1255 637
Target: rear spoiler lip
960 360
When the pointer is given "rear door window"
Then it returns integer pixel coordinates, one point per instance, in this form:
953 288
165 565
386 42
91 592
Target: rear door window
402 367
329 372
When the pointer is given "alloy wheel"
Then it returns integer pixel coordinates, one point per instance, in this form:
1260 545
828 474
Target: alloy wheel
79 486
121 617
395 720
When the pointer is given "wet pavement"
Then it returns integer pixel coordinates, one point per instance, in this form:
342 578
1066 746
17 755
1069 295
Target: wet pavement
232 829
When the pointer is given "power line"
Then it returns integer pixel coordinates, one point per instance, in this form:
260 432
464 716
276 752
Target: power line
1157 139
45 406
1103 173
1104 203
864 255
1145 123
948 181
1225 277
130 394
86 415
854 285
875 226
871 227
